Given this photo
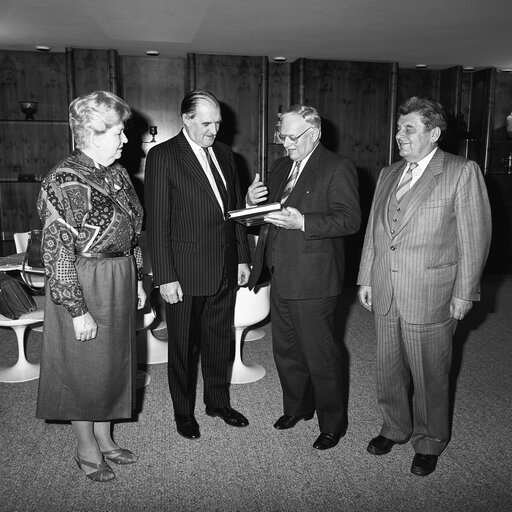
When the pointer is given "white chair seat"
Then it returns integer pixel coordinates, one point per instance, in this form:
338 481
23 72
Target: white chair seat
250 308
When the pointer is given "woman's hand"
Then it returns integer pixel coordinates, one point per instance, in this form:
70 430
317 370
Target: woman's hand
85 327
141 295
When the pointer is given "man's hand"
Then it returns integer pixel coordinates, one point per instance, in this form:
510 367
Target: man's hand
85 327
459 308
171 292
243 274
257 192
287 218
365 297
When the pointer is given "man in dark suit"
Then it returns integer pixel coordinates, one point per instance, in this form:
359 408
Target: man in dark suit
301 249
425 247
198 257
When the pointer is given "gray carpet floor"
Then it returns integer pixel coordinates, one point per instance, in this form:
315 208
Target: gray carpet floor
260 469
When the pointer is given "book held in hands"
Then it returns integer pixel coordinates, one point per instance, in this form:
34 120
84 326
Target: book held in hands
255 215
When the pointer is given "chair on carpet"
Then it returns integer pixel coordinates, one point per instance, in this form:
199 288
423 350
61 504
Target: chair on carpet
22 370
151 350
250 308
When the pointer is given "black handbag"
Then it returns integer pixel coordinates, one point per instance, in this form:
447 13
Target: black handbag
15 298
33 257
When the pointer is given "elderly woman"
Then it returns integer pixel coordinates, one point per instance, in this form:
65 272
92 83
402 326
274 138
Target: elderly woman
91 222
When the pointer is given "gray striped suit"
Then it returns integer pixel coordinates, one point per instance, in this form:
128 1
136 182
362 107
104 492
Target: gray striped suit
436 252
190 242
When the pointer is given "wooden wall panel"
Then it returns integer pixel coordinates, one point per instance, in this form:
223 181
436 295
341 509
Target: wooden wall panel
18 207
154 88
353 100
235 81
279 99
32 76
91 71
501 143
31 147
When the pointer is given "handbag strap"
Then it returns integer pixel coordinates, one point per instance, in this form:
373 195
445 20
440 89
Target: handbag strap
26 280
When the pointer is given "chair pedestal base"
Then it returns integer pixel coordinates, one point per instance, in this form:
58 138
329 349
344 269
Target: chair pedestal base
22 371
241 373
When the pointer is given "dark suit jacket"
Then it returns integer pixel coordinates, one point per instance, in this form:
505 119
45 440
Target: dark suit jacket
311 264
188 238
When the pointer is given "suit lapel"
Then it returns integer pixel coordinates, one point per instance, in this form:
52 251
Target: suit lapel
423 188
307 174
192 165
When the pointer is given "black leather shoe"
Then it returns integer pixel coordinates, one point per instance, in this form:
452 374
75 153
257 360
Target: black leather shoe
286 422
188 427
229 415
423 464
327 440
380 445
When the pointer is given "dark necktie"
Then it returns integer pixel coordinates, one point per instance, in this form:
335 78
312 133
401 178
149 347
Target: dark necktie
405 186
218 180
291 182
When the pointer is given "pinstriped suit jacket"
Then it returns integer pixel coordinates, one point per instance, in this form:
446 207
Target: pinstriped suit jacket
441 246
189 240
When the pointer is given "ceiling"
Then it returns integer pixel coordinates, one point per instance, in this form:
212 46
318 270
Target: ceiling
438 33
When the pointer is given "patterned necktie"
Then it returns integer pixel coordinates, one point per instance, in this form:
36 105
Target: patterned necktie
405 186
291 182
218 180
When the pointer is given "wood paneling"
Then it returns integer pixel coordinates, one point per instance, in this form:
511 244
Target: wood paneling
92 71
235 81
31 76
18 207
154 88
353 100
31 147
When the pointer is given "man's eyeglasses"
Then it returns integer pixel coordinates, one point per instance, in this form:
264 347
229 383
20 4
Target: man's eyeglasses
292 138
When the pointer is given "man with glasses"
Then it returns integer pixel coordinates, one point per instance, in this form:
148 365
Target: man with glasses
301 251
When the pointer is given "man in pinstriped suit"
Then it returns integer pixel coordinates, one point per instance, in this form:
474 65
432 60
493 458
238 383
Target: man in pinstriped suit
198 258
425 247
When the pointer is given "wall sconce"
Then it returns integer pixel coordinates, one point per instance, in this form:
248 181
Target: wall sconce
153 131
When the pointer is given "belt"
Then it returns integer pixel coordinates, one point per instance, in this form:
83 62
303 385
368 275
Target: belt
101 255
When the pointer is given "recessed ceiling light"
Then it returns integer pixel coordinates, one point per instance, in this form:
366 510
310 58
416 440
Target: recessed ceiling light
153 53
279 58
41 48
506 70
421 66
468 68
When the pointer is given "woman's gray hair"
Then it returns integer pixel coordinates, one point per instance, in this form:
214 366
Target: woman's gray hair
95 113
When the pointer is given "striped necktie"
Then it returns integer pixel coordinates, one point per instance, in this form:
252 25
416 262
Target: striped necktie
405 185
291 182
218 180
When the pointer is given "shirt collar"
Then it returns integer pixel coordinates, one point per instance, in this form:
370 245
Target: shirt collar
423 163
196 148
